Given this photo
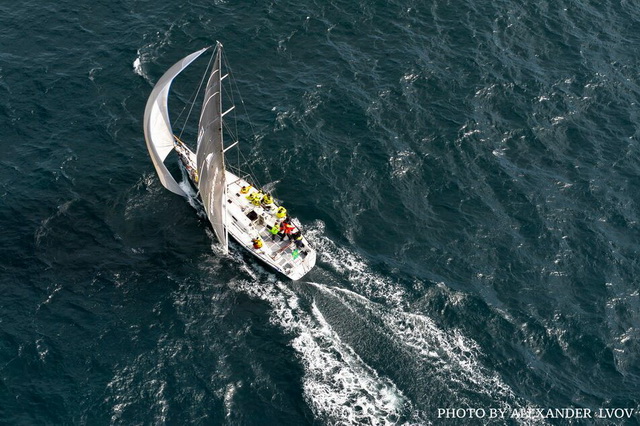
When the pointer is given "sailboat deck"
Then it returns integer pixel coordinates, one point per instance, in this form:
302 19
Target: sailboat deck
246 221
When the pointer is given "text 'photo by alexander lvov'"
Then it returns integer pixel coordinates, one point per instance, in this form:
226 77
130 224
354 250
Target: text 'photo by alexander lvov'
320 213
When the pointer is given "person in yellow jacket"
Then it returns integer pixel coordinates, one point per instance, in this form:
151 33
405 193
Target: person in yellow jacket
267 201
256 198
281 213
257 243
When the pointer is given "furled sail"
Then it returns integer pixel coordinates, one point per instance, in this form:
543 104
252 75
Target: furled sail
210 154
157 127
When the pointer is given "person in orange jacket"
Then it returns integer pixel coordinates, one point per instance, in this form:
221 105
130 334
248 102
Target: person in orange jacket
286 229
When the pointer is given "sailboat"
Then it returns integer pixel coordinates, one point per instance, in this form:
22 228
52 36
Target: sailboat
234 205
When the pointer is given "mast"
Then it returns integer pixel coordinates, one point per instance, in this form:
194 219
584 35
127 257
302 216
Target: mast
210 154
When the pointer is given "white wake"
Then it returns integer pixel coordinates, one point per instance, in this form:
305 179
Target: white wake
339 386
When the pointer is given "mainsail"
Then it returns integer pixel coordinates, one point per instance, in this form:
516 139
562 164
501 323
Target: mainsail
157 127
210 154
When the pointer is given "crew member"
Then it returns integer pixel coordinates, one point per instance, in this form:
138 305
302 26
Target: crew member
282 212
257 198
274 231
257 243
267 200
285 230
297 239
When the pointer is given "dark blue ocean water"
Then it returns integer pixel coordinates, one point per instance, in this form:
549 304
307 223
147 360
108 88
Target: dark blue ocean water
468 171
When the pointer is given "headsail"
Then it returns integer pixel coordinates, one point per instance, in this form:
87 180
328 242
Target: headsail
210 154
157 127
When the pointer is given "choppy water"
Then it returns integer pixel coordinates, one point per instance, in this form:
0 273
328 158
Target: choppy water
467 169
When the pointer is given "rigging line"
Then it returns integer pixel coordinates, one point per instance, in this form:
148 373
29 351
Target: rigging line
230 94
235 89
244 161
192 99
235 133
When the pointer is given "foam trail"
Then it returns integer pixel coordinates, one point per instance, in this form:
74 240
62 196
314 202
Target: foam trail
339 387
142 57
451 355
453 359
339 384
355 269
137 66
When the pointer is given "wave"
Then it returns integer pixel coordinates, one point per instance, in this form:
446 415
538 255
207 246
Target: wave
338 386
374 363
355 269
447 360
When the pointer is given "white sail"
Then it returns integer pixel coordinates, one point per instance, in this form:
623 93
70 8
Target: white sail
210 154
157 127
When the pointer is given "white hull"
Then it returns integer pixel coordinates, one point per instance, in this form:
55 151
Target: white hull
277 254
245 221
